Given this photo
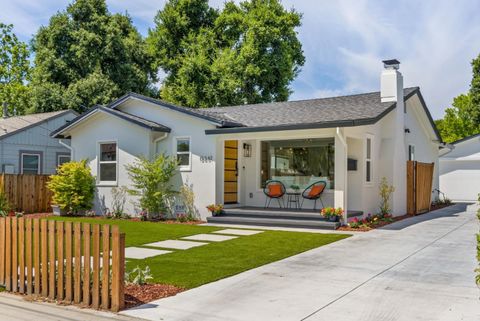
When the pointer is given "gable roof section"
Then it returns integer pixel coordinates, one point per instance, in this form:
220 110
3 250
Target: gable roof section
142 122
203 113
15 124
465 139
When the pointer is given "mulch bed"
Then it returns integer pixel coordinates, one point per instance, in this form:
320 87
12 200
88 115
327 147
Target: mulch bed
136 295
37 215
384 223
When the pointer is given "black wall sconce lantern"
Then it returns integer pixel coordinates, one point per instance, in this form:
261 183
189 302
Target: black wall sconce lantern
247 150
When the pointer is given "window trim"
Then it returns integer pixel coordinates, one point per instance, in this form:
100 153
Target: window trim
39 154
59 155
99 162
183 168
368 160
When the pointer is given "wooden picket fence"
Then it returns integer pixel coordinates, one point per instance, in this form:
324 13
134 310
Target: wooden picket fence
27 193
63 261
419 187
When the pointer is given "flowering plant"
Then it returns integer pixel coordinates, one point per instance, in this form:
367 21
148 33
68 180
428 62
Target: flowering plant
328 212
216 209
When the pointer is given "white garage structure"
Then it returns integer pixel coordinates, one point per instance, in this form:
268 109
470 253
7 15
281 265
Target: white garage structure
460 170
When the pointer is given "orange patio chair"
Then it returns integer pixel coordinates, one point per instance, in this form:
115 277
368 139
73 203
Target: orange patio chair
274 190
314 192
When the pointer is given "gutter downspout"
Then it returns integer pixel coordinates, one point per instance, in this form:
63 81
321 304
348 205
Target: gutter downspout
72 153
344 143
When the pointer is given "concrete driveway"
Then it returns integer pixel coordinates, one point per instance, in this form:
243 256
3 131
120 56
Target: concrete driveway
417 269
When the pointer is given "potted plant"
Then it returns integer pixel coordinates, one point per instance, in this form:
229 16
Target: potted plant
332 214
215 209
73 188
295 188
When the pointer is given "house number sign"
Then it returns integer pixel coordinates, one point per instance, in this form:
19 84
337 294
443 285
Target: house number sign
206 159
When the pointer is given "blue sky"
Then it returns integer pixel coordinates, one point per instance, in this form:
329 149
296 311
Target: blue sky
344 41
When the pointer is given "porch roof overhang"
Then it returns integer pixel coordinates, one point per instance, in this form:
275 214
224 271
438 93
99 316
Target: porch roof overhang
63 131
327 124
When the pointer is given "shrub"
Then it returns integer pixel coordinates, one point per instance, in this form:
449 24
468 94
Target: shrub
73 187
119 198
188 197
151 182
385 192
139 276
4 205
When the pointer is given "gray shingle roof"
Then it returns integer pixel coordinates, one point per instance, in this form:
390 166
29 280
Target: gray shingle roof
11 125
360 107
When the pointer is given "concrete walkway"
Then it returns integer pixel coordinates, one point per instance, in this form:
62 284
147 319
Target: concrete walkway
417 269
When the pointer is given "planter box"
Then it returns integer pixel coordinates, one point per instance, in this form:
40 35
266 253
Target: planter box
57 211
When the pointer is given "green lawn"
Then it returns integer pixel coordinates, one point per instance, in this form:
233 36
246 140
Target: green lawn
200 265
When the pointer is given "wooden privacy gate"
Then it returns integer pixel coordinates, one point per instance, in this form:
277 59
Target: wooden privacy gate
419 187
71 263
27 193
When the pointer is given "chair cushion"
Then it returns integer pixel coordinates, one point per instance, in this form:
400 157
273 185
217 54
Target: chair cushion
316 190
275 190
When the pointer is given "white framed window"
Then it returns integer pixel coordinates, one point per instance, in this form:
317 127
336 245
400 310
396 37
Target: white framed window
368 159
30 163
411 152
107 163
62 159
183 153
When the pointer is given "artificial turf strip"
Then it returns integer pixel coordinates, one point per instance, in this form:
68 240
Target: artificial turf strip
214 261
140 233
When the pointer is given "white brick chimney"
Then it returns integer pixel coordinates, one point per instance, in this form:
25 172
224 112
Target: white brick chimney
391 90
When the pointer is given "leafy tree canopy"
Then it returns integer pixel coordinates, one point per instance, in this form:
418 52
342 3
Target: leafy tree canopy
246 53
14 70
458 121
463 118
87 56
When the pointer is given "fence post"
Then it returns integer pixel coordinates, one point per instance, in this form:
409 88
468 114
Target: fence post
8 254
117 269
2 250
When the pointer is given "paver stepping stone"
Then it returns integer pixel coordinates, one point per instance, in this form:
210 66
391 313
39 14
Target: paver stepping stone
141 253
209 237
176 244
232 231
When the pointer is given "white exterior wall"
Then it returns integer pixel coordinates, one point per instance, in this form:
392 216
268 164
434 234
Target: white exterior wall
202 176
132 141
36 139
460 171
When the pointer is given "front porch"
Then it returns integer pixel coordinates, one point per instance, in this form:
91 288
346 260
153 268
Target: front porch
281 217
297 159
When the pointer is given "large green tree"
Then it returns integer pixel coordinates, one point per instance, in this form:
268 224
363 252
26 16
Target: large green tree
462 119
87 56
458 121
14 70
245 53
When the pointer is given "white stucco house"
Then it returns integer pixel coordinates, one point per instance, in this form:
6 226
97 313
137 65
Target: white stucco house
26 146
227 153
460 169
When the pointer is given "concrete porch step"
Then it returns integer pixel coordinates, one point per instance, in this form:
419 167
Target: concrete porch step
281 213
273 221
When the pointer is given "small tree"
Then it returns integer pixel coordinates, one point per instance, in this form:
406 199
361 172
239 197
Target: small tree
151 182
385 192
119 198
73 187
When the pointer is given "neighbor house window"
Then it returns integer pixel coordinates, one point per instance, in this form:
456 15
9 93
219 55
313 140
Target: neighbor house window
368 160
108 162
183 153
62 159
30 163
298 163
411 152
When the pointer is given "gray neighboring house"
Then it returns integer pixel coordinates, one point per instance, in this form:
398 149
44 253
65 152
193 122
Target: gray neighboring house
26 146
